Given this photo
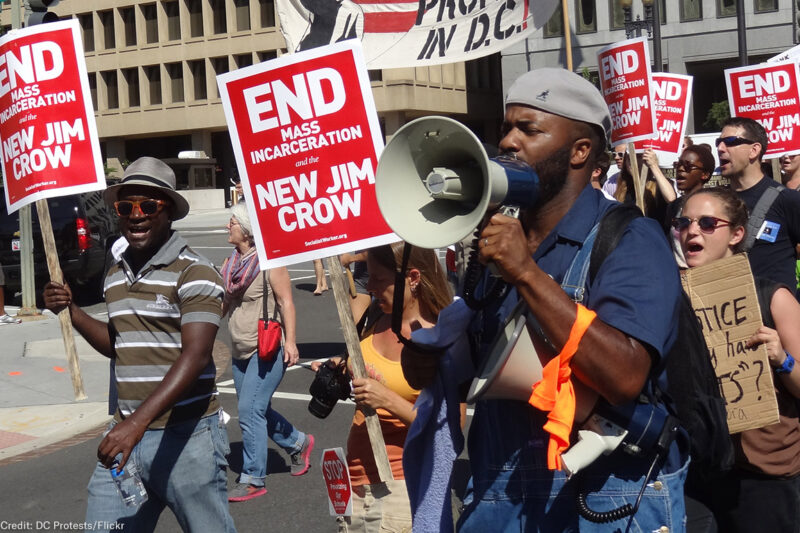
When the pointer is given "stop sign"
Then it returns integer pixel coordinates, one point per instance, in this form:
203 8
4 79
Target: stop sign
337 481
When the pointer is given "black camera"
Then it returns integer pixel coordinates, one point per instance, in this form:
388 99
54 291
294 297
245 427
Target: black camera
331 384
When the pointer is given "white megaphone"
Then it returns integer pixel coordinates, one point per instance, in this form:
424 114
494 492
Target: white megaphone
434 182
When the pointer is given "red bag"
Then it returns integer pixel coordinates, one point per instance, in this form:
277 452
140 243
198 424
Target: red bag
269 338
269 329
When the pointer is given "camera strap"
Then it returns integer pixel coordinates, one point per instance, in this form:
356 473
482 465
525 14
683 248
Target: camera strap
397 308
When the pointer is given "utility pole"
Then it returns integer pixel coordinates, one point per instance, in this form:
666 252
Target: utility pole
27 274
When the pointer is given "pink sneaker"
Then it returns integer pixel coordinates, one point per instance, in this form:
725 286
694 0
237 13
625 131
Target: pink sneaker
244 491
301 460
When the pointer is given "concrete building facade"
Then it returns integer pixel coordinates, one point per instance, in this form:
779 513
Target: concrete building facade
698 37
152 72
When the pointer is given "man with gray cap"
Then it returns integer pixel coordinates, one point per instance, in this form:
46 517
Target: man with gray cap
609 334
164 306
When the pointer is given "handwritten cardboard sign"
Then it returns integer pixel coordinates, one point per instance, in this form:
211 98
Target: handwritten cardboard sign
724 299
306 138
625 84
672 94
770 94
47 129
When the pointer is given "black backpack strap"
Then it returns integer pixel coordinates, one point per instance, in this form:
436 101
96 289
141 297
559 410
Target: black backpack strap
609 233
760 213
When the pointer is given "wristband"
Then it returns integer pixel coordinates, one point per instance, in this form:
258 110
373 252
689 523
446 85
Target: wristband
787 366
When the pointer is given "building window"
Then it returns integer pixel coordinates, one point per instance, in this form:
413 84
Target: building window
220 66
242 8
691 10
195 8
726 8
585 16
765 6
150 23
267 13
198 70
555 26
93 88
87 31
266 56
172 13
662 12
153 75
220 17
375 75
107 24
131 76
112 89
175 73
616 15
128 17
243 60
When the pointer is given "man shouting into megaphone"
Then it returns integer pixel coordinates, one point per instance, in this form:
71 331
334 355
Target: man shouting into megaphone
608 335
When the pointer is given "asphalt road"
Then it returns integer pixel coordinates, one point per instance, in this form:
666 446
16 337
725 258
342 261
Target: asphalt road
51 489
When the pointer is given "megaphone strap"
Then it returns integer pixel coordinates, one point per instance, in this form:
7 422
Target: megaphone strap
555 394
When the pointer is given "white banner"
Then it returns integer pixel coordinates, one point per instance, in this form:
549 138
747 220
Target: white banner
401 33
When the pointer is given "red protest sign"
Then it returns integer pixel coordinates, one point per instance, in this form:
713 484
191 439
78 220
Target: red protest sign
337 481
47 129
768 93
306 138
625 83
671 96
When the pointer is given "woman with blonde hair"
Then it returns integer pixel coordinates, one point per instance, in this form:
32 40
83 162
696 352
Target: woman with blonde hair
384 506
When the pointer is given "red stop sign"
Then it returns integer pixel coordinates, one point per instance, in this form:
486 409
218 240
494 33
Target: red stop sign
337 479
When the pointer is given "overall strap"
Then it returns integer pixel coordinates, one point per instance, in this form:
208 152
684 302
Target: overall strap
574 282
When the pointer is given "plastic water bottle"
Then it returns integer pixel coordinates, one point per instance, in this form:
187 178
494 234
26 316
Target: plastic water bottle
129 484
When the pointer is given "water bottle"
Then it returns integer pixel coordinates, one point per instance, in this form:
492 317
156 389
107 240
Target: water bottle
129 484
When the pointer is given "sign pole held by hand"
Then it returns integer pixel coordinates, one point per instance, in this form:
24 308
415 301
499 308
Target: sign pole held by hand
63 316
637 184
340 293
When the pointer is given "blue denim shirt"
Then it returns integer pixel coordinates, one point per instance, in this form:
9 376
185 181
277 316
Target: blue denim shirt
636 291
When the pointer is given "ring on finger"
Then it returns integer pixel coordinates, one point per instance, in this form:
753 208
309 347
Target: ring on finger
486 241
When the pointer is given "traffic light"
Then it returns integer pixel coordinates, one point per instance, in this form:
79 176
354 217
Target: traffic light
36 12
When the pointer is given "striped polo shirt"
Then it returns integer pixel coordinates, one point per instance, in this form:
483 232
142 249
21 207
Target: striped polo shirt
146 311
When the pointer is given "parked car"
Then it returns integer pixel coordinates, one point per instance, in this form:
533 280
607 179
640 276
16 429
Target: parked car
84 229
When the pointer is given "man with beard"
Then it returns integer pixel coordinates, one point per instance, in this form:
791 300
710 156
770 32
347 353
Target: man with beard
741 147
164 306
558 122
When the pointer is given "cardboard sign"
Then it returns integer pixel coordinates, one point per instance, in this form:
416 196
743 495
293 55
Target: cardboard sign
625 83
671 97
47 129
770 94
306 138
409 33
337 481
724 299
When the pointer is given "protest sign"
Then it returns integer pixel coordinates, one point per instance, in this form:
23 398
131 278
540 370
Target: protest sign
337 481
47 129
625 84
306 138
769 93
724 299
792 53
671 96
404 33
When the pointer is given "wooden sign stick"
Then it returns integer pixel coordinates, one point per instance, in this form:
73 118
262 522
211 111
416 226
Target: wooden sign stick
637 184
63 316
341 294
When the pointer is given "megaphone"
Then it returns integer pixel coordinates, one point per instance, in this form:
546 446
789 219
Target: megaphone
434 182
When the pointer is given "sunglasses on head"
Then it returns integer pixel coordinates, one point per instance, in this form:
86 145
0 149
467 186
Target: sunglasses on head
146 207
707 224
733 140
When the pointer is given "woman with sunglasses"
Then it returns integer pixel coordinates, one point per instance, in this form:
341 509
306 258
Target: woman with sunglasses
384 506
257 379
762 491
692 171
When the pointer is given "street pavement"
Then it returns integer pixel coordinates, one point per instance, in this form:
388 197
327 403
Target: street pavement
38 405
